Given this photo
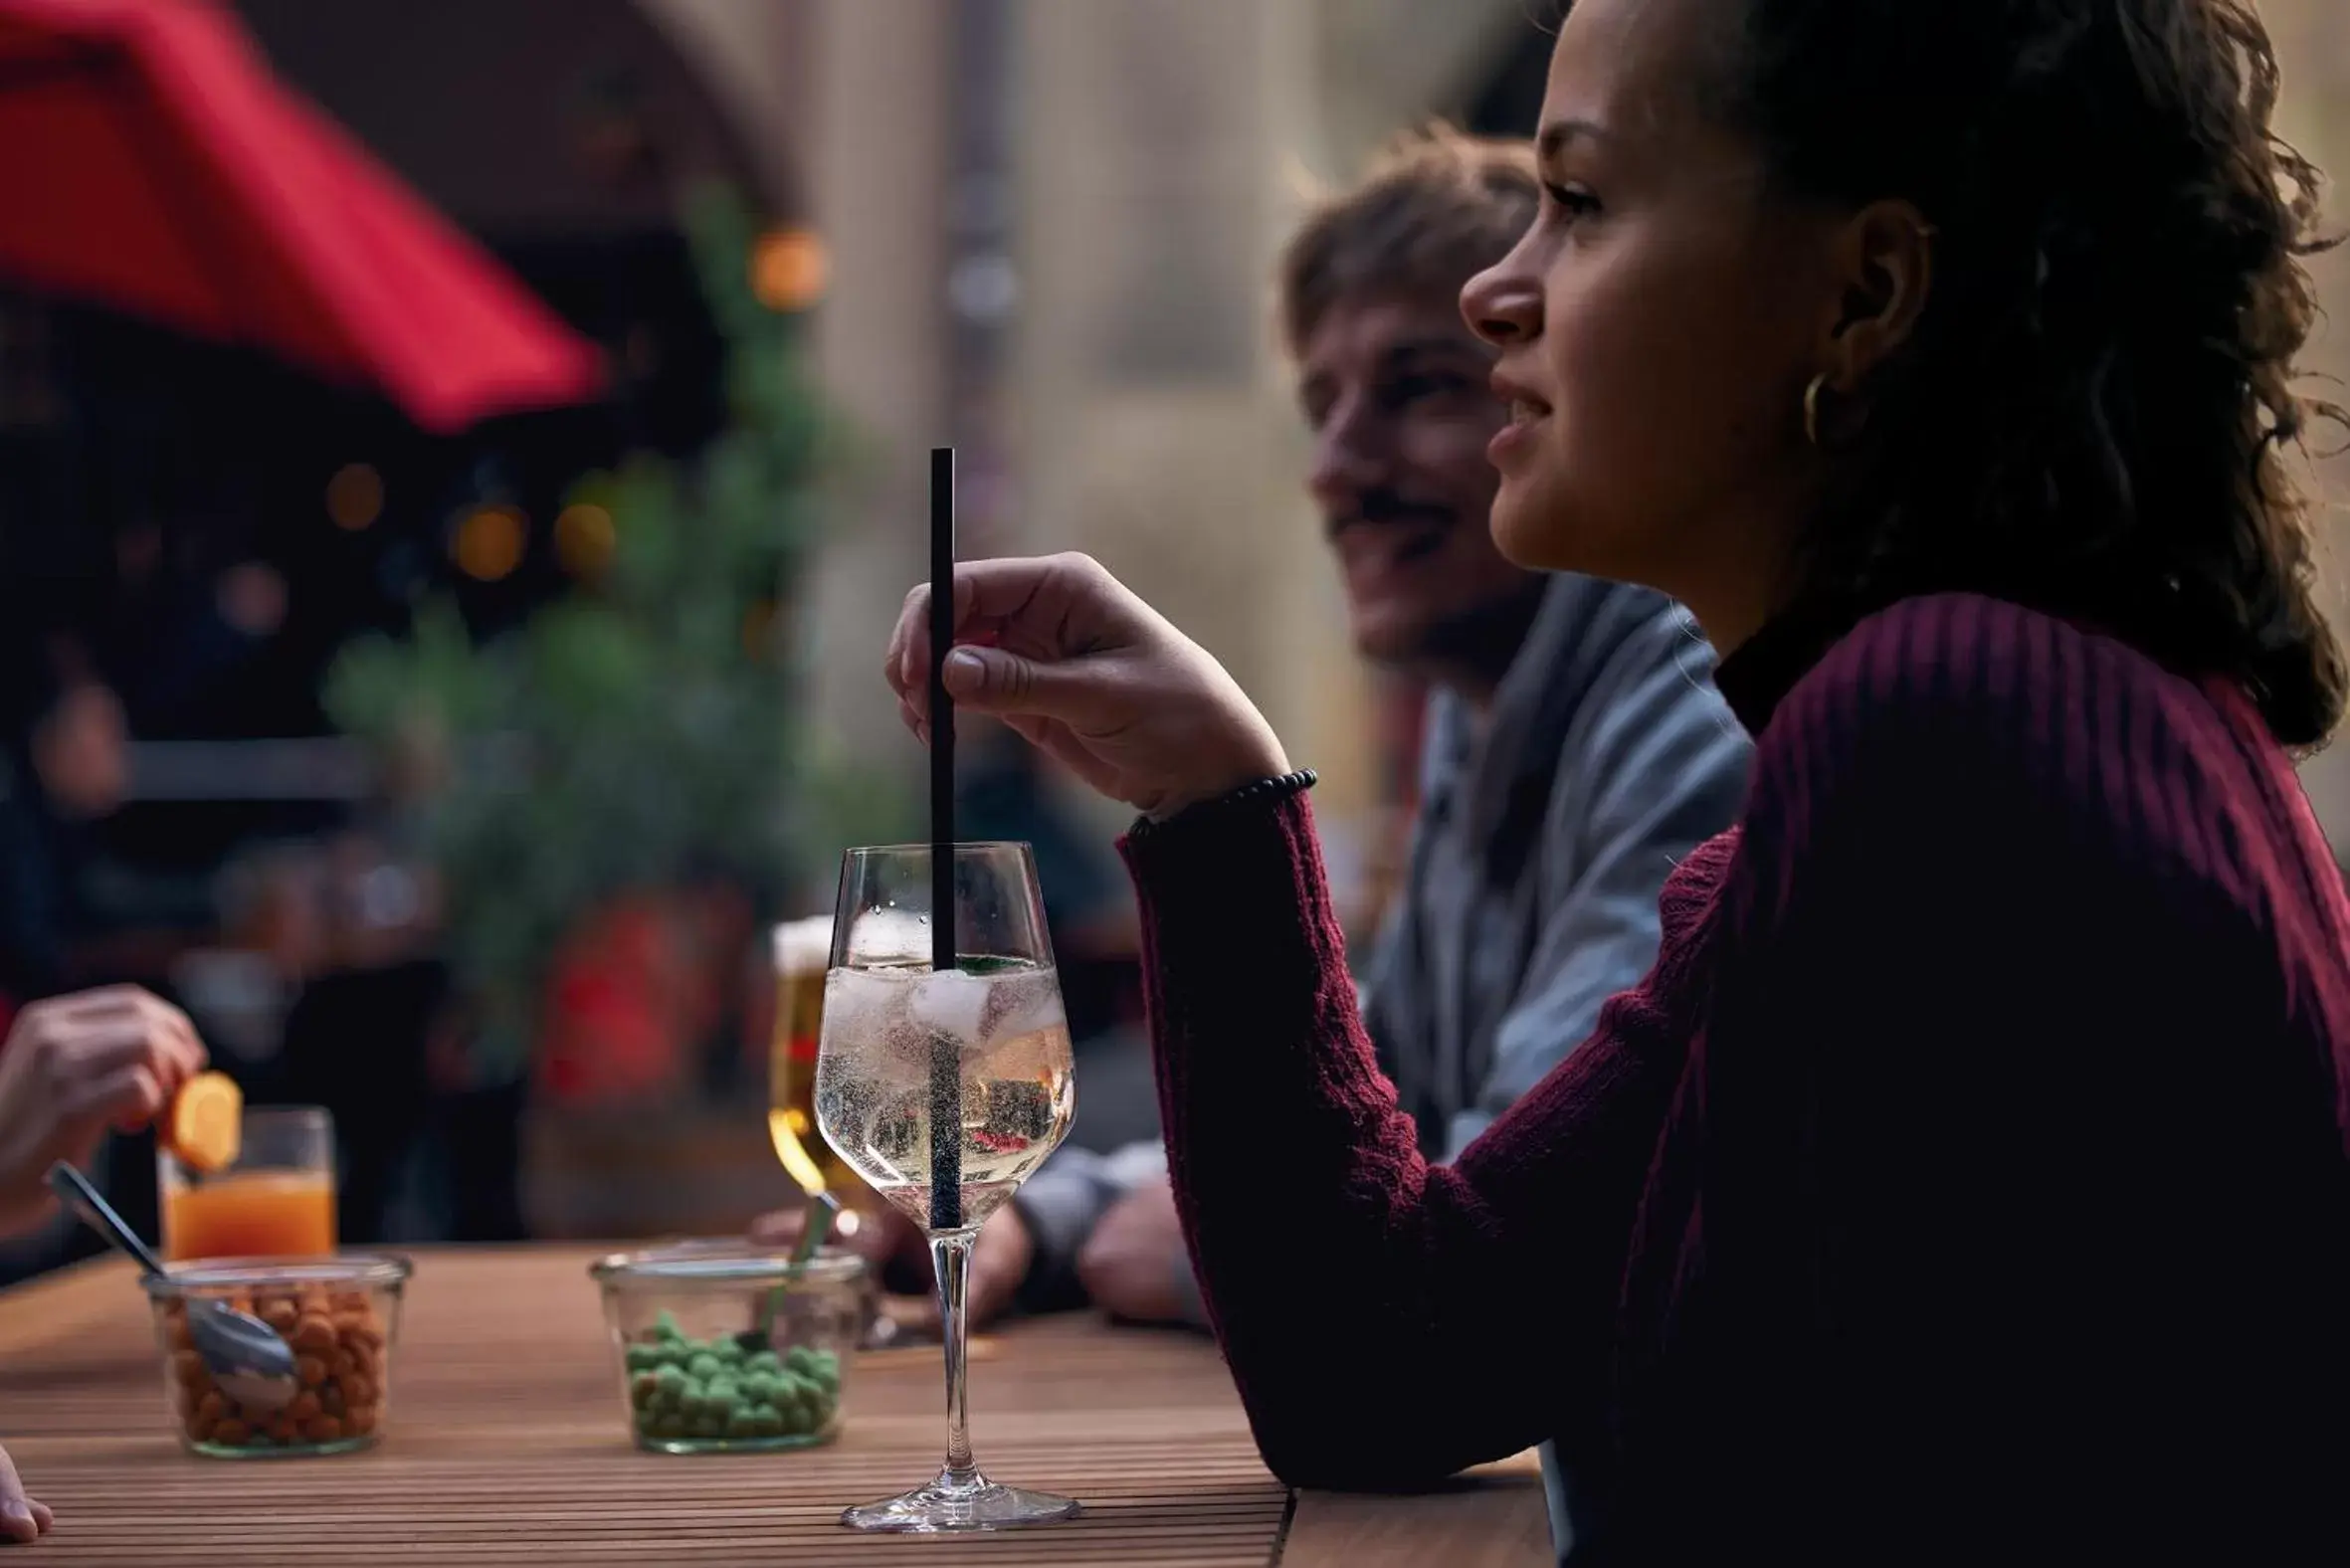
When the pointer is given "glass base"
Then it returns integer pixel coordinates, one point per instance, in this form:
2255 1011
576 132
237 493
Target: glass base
693 1445
952 1502
266 1449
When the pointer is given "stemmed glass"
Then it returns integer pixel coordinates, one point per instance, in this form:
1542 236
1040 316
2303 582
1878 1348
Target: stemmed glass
945 1090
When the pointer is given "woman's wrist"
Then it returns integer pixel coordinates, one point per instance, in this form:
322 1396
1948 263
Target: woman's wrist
1248 757
1257 790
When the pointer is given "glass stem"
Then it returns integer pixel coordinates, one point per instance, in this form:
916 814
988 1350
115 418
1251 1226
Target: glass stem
950 1255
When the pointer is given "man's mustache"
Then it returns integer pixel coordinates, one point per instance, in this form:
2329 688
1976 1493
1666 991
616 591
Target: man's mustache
1378 506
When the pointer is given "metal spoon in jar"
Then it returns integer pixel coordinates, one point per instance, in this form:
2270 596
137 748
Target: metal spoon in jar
250 1361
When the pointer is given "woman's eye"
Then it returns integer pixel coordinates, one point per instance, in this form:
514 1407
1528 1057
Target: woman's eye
1571 201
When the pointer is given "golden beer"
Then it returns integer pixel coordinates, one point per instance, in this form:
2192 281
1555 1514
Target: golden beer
803 951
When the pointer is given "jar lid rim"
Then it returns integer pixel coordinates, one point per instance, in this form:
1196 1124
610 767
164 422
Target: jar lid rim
329 1269
723 1263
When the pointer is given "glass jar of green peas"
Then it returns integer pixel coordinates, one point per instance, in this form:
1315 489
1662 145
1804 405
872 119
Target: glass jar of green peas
726 1348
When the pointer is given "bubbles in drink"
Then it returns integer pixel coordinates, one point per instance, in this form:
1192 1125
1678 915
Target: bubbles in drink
873 1083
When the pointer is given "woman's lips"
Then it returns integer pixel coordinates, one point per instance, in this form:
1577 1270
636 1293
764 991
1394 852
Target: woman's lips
1525 415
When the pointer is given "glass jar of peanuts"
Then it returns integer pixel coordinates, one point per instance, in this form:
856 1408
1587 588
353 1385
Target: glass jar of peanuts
726 1348
340 1314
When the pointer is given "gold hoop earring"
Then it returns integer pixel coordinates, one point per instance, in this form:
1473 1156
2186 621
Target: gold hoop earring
1812 407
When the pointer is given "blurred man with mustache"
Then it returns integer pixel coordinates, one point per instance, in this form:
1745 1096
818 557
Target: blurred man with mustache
1576 748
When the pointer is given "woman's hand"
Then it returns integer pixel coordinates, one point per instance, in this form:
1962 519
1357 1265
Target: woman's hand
72 1067
21 1518
1065 655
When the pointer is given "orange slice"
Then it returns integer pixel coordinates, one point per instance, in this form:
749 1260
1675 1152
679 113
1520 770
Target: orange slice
205 1122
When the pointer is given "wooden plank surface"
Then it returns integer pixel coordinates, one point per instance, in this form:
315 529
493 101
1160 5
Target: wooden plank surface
505 1447
1493 1517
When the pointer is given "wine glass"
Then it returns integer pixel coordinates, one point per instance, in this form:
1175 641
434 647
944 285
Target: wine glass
945 1090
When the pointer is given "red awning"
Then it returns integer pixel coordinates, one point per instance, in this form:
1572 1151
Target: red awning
151 162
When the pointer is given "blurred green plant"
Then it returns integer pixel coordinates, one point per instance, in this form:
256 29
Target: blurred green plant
641 731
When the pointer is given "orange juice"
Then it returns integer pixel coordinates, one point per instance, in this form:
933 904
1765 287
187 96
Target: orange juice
260 1214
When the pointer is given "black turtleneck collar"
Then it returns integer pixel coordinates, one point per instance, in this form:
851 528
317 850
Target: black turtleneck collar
1765 668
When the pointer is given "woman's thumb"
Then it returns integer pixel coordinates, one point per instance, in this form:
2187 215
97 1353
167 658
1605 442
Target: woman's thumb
992 680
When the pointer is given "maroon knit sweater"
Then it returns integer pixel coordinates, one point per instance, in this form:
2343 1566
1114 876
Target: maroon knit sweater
1966 1182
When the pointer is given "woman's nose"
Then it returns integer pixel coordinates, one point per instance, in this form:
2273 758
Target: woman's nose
1503 304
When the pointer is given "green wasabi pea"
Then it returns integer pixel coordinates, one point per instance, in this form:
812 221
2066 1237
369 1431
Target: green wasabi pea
724 1392
665 1325
642 1357
703 1366
729 1351
672 1377
710 1424
765 1361
771 1422
798 1358
760 1388
666 1428
641 1389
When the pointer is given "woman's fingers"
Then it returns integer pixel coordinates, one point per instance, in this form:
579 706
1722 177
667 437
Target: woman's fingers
1047 608
114 1023
21 1518
128 1098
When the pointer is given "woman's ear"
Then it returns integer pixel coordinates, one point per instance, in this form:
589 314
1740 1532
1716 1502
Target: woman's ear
1884 267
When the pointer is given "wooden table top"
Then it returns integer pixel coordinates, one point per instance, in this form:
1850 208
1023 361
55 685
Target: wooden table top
505 1447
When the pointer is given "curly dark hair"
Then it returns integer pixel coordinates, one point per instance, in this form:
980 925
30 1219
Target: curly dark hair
2094 414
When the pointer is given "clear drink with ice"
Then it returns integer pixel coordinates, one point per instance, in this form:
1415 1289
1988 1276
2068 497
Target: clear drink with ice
903 1047
875 1085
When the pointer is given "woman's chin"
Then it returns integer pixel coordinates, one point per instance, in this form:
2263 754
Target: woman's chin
1529 531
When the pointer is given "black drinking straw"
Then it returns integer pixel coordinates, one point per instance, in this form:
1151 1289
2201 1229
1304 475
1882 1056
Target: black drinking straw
946 1079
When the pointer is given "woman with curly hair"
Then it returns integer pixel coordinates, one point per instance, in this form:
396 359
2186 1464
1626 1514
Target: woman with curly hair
1968 1181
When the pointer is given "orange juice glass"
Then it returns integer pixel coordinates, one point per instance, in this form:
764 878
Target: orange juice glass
276 1201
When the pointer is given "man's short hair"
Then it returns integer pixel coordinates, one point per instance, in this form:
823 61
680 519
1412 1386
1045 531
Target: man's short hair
1435 208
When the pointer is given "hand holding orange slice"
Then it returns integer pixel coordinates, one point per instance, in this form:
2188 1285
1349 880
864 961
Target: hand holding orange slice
205 1123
